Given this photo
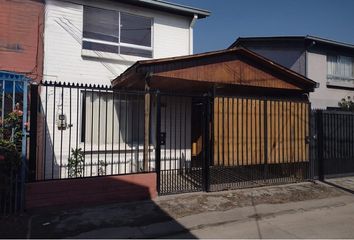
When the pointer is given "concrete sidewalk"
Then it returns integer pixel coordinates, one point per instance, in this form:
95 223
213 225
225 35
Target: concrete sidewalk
246 213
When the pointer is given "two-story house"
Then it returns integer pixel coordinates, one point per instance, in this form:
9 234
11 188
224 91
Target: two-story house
93 42
329 63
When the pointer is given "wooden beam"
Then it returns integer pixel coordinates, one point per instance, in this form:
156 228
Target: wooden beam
147 131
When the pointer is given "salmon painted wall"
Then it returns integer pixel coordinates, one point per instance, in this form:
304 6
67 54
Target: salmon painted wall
21 37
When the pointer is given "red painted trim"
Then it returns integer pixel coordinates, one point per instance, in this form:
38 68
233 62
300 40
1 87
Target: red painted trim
87 191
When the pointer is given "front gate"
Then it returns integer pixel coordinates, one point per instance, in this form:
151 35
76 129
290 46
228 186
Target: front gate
181 133
221 143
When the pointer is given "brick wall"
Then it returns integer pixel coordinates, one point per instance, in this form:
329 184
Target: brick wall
87 191
21 37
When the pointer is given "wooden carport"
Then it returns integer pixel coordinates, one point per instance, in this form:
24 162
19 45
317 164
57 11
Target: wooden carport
260 110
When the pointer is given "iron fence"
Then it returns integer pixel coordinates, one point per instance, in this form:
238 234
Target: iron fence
333 150
86 131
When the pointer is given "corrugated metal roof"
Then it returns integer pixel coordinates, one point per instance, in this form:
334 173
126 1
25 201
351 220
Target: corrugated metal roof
292 38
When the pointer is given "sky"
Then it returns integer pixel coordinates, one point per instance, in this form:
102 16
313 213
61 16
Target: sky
230 19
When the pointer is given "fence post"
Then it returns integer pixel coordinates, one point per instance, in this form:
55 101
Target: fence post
320 147
158 139
33 131
207 145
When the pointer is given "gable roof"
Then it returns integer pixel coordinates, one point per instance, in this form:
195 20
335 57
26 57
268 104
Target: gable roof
199 70
169 7
307 38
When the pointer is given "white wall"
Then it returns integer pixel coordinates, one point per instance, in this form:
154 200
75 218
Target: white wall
65 61
323 96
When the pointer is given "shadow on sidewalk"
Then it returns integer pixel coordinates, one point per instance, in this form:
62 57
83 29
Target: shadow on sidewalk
83 219
339 187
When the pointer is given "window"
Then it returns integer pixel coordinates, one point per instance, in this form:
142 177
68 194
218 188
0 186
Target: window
340 67
112 120
117 32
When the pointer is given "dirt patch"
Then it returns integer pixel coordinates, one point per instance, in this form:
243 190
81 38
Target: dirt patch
186 205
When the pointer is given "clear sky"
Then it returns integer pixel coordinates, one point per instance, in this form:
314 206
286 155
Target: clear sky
230 19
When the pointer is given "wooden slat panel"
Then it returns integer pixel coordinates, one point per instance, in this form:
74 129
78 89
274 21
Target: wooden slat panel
221 142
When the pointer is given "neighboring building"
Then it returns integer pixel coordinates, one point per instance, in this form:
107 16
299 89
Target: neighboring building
95 41
327 62
21 50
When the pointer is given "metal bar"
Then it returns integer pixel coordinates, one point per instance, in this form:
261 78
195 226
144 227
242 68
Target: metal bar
105 137
92 113
319 121
69 125
45 132
98 131
207 145
33 132
61 132
113 114
158 141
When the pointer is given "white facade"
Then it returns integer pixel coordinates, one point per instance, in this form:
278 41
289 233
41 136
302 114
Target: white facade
66 61
325 96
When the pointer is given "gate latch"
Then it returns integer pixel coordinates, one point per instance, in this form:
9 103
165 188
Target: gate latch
162 138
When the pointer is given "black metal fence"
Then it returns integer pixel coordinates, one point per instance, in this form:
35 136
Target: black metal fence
86 131
333 145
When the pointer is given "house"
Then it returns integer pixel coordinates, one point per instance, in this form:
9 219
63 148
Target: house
328 62
203 122
92 42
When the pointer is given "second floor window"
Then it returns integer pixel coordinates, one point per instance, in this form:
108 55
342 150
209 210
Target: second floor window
340 67
117 32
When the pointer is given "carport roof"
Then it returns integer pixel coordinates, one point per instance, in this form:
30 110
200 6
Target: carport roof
197 69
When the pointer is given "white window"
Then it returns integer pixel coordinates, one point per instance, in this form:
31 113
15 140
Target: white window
109 119
117 32
340 67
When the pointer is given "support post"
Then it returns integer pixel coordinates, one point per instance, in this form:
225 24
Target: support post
147 111
33 132
320 159
207 142
158 139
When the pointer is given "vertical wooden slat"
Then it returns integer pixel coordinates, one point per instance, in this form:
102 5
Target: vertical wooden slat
244 132
269 133
276 131
240 131
235 130
261 132
226 132
216 131
230 129
221 150
256 130
249 127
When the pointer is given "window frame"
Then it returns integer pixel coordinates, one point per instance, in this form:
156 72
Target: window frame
335 77
119 43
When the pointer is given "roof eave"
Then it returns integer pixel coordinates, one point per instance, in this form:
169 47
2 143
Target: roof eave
170 7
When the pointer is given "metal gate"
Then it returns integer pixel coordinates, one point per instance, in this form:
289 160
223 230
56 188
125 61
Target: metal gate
181 134
212 144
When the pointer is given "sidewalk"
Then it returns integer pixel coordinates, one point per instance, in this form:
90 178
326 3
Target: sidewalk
186 215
